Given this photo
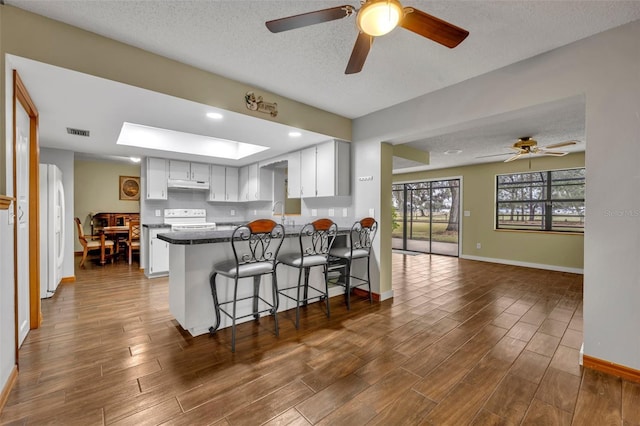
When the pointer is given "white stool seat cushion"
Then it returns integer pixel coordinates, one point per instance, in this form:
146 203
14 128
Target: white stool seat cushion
228 269
345 253
295 260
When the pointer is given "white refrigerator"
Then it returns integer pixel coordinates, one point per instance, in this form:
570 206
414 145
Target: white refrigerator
51 229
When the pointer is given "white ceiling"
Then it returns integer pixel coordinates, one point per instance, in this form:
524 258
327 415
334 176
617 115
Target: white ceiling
229 38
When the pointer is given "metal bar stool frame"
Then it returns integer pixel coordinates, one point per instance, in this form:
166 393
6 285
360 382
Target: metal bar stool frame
255 248
315 242
361 239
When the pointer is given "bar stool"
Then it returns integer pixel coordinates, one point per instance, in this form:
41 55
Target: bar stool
315 239
255 247
360 239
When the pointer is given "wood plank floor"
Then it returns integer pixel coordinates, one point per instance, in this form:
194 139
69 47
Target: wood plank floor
462 342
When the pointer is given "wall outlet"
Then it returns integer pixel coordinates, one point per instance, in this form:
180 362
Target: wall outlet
345 212
372 212
478 245
332 212
232 212
157 212
255 212
467 213
314 212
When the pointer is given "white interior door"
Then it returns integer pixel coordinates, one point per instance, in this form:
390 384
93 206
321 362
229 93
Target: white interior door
22 218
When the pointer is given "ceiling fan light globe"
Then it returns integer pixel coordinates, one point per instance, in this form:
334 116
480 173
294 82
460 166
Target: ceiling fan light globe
379 17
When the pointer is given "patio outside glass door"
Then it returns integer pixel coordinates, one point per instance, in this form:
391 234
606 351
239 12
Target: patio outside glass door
426 216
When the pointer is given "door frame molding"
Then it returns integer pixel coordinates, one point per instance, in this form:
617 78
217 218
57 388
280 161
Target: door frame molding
21 95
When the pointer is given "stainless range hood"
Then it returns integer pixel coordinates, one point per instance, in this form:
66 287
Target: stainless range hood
187 184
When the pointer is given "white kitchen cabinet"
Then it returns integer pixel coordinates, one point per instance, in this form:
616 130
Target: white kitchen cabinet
308 172
200 172
256 183
179 170
243 183
185 170
223 184
293 175
231 182
320 171
333 165
156 184
158 253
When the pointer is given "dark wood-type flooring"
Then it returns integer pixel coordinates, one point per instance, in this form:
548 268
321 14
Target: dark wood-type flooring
462 342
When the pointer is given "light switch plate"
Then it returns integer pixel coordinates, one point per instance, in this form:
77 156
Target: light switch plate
372 212
345 212
467 213
314 212
232 212
157 212
332 212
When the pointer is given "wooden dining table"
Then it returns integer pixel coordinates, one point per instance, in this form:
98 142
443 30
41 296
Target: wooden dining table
115 233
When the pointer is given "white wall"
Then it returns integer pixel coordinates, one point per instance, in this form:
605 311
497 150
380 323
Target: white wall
7 310
7 283
605 68
64 160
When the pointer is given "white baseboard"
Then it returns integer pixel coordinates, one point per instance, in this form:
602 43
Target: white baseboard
525 264
386 295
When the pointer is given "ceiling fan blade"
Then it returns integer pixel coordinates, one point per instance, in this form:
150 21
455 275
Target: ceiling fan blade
559 145
495 155
432 28
309 18
359 53
515 157
553 153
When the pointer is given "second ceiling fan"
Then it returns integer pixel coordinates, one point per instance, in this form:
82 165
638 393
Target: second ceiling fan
376 18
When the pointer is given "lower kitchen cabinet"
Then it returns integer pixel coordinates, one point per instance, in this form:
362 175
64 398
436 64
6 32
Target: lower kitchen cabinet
158 250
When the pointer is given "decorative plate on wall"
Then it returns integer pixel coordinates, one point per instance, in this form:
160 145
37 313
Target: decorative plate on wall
130 188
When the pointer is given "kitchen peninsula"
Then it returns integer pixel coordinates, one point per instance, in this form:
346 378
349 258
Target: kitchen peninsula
191 259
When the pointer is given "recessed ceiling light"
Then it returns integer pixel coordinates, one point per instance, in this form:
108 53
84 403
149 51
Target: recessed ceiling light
295 134
134 159
453 151
214 115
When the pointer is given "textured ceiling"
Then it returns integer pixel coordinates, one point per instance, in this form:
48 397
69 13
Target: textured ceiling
307 64
229 38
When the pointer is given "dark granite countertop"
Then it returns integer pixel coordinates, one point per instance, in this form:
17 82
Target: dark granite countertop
155 225
209 237
164 225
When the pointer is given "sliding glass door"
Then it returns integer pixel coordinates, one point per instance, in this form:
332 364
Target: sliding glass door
426 216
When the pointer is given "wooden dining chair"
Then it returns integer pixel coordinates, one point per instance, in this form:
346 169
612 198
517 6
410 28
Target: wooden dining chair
133 239
91 242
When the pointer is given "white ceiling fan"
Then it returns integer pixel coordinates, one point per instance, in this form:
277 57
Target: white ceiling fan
527 146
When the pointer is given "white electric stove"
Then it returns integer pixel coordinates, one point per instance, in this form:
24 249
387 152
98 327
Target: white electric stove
188 220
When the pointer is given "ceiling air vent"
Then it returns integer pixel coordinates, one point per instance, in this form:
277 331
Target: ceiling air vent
77 132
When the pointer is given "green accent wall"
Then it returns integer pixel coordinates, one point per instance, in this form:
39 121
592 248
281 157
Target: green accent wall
97 189
555 250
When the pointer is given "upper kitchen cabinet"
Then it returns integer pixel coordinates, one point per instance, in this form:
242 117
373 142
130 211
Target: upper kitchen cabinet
157 171
224 183
256 183
293 175
184 170
320 171
333 166
308 172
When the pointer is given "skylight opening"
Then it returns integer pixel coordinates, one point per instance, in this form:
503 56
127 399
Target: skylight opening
186 143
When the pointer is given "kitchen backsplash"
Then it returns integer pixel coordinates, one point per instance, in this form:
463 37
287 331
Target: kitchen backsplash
339 209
